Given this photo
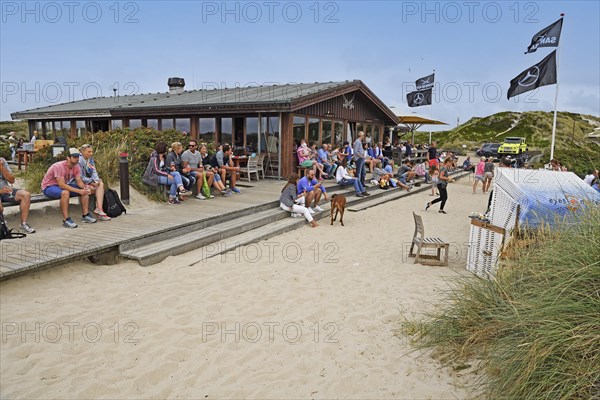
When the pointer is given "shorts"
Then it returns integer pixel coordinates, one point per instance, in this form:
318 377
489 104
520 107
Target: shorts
479 178
307 164
489 175
433 162
9 197
55 191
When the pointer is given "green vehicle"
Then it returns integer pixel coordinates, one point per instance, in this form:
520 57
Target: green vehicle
513 146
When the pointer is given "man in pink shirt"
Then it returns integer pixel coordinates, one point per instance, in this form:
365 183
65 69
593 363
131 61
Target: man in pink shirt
63 180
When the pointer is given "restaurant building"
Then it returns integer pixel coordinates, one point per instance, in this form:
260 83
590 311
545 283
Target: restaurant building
257 119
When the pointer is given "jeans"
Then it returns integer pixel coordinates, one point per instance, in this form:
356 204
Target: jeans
174 183
354 181
188 181
360 169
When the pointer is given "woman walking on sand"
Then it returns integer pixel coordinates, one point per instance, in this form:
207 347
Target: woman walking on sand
444 179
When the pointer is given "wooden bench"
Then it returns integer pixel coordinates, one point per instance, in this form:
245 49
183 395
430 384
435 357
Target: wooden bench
423 242
41 198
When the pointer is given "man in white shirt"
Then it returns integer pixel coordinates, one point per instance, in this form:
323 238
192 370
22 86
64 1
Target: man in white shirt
589 178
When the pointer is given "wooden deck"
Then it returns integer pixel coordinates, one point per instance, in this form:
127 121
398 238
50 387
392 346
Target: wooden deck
57 245
142 227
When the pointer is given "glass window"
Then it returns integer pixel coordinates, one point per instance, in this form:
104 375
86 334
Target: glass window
368 133
207 128
270 131
313 131
327 131
252 135
338 133
299 129
359 127
152 123
166 124
116 124
182 124
80 128
135 123
376 138
226 130
65 129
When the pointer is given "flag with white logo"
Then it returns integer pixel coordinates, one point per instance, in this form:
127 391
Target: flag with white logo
425 82
541 74
547 37
419 98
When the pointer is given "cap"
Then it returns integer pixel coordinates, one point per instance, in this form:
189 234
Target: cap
73 152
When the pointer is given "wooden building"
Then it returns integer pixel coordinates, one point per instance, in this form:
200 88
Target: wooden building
255 119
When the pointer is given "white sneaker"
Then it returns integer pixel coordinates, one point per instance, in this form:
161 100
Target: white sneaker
310 210
295 215
319 209
200 197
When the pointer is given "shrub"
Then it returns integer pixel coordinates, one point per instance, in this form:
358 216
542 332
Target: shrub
137 143
536 327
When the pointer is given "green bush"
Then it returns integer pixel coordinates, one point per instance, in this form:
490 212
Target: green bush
5 151
535 328
137 143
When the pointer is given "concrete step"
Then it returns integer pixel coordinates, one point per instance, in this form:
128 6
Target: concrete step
184 241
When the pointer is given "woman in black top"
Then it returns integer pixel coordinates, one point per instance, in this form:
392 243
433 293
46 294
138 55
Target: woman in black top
444 179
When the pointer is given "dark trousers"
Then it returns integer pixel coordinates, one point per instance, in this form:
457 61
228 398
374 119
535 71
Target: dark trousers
443 196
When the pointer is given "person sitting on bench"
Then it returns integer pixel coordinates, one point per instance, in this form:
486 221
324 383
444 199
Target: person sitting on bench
8 194
90 177
63 180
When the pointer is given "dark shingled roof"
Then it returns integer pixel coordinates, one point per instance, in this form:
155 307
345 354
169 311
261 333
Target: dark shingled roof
272 97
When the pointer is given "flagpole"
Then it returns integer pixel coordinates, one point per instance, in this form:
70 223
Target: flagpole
432 101
555 98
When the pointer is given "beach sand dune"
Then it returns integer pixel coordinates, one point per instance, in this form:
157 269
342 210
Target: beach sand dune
313 313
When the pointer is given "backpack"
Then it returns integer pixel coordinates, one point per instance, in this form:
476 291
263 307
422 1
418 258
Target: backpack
112 204
6 233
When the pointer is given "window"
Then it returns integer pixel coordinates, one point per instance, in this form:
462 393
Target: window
376 138
369 133
270 133
80 128
338 133
252 135
182 124
166 124
313 131
65 129
116 124
226 130
359 127
299 129
206 132
135 123
152 123
327 130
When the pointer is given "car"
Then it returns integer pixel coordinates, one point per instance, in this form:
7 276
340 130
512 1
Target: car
513 146
489 150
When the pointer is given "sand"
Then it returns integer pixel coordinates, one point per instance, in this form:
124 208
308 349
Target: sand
313 313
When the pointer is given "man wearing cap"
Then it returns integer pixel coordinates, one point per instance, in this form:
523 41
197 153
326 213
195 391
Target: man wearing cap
63 180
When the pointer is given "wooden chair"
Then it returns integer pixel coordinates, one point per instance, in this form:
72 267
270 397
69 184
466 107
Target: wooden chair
423 242
261 164
251 168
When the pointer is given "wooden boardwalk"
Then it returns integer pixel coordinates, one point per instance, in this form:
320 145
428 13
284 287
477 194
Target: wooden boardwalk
57 245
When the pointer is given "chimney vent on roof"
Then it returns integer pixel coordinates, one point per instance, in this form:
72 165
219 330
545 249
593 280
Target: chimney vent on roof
176 85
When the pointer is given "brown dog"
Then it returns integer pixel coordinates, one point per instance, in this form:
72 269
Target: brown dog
338 204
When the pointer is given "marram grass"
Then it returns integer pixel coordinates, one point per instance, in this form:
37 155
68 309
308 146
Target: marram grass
535 329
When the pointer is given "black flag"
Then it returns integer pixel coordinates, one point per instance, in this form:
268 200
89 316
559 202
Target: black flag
425 82
547 37
541 74
419 98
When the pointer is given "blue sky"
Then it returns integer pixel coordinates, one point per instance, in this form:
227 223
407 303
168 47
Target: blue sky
55 52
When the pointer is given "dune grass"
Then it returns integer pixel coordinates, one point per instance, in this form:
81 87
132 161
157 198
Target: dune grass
534 330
